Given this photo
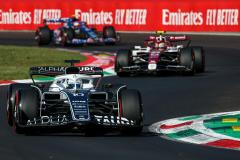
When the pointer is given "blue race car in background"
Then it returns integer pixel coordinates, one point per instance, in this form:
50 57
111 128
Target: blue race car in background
74 32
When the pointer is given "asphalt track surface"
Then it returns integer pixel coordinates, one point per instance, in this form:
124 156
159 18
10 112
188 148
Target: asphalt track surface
164 97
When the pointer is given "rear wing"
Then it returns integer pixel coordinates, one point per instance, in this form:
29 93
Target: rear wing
160 32
57 20
60 70
169 38
53 71
178 38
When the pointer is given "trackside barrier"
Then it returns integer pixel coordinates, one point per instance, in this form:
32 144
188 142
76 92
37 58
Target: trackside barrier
126 15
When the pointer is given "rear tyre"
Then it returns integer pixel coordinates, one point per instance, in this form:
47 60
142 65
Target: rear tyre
109 32
123 59
67 35
199 59
131 104
27 103
12 88
187 60
43 35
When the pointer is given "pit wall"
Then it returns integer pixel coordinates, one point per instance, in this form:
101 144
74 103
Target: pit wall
126 15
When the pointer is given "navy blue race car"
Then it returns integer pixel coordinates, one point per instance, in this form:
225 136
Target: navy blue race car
74 32
74 100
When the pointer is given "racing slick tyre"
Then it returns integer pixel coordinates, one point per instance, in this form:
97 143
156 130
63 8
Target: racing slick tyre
67 34
123 59
43 35
109 32
12 88
188 61
131 108
199 59
27 103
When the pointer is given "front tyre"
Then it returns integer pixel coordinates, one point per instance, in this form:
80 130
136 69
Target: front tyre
131 103
12 88
43 35
67 35
27 103
109 32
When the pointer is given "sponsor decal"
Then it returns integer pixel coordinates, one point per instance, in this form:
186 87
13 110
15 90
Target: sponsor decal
59 69
86 68
48 120
62 119
132 16
79 105
11 16
94 17
122 16
50 69
220 16
181 18
152 66
40 14
77 101
112 120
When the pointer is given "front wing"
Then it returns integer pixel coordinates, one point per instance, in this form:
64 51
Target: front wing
151 68
77 41
98 120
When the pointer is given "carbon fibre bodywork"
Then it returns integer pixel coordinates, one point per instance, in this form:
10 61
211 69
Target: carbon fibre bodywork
73 99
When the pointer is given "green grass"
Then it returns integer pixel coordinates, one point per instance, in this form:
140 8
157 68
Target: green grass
15 61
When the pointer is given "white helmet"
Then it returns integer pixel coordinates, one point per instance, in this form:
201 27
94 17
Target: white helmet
71 82
161 45
65 83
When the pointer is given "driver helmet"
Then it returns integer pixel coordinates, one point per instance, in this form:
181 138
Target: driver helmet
66 83
160 38
73 85
75 21
160 45
74 17
76 24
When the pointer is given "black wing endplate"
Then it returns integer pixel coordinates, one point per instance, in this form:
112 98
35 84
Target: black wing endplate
60 70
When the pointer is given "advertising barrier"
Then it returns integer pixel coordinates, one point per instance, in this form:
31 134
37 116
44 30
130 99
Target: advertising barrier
125 15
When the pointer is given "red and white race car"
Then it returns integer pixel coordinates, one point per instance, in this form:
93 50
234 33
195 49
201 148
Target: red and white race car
161 53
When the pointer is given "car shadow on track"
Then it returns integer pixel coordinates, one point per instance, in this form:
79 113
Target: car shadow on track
92 133
79 134
169 74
